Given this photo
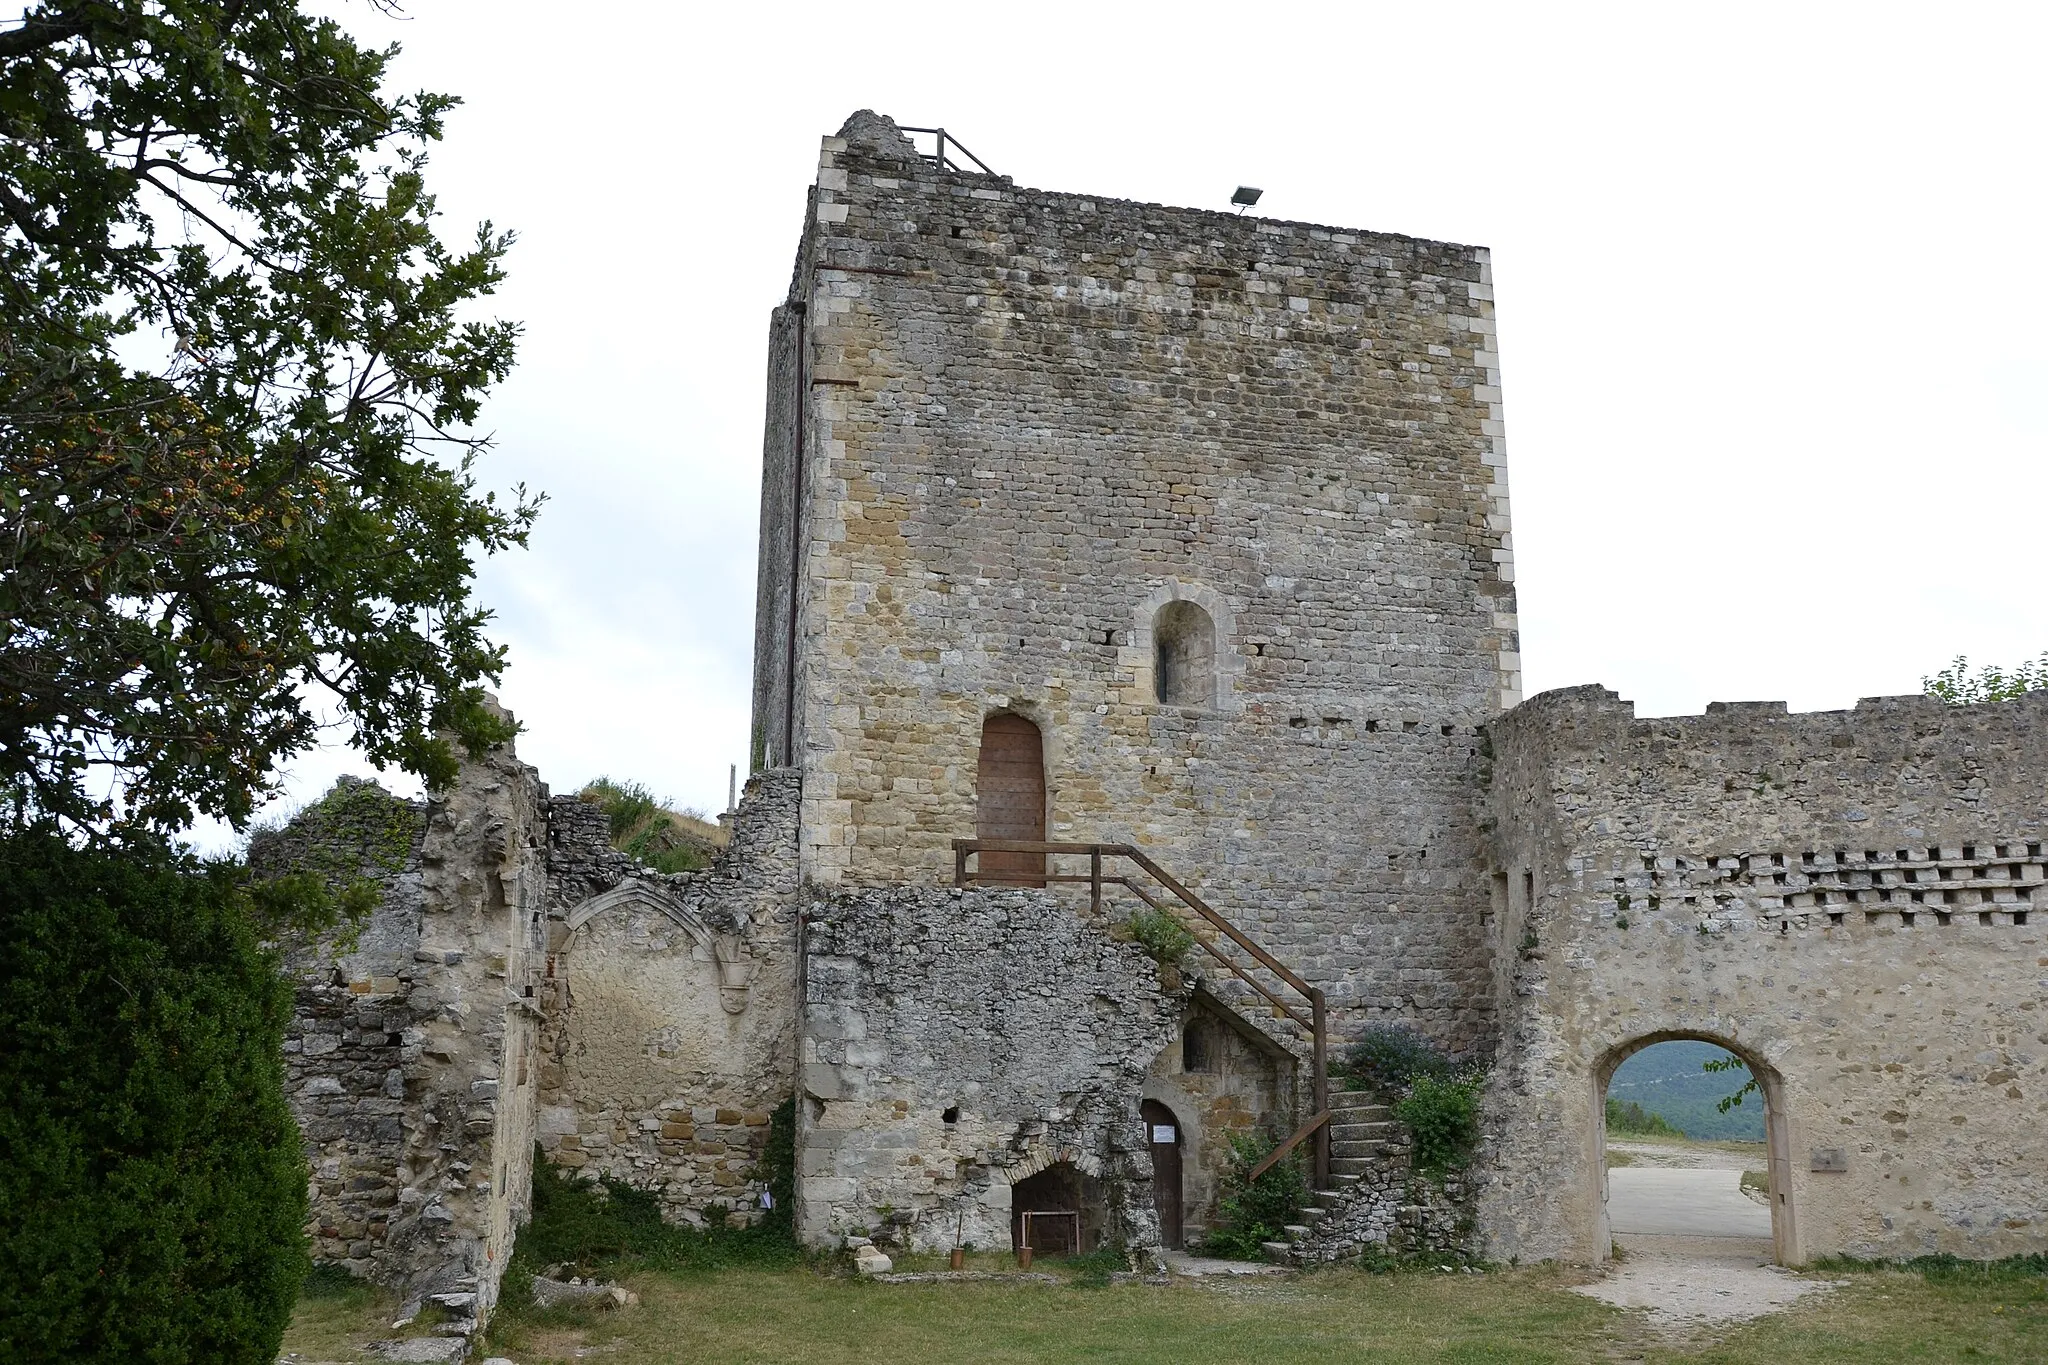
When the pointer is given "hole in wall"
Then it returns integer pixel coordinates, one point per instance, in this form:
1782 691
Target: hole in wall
951 1114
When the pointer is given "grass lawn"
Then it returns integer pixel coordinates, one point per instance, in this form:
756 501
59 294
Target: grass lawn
778 1316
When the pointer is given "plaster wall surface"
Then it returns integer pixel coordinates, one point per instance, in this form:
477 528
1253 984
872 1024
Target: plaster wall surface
671 1030
1027 422
956 1043
1851 900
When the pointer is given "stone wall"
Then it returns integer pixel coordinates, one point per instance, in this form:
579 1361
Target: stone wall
355 1035
411 1056
1244 1083
1027 422
1847 899
958 1042
671 1027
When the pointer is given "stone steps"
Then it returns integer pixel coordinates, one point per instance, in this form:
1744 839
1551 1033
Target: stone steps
1360 1138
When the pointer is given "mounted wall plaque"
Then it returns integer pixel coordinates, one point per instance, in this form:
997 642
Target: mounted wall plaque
1830 1159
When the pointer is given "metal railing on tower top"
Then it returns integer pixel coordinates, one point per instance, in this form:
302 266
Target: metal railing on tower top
941 159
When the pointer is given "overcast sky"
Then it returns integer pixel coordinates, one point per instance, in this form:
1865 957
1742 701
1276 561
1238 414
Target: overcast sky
1769 285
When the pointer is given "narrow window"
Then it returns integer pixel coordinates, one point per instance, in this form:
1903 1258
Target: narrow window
1195 1053
1184 655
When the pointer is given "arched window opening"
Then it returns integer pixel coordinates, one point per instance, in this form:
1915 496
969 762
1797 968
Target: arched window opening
1196 1053
1184 655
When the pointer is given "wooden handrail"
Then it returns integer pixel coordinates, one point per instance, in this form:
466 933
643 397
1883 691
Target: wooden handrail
1279 1154
1316 1025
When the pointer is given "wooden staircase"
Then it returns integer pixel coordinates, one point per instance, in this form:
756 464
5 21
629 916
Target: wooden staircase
1363 1136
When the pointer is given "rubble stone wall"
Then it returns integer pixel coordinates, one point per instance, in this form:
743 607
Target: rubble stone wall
410 1060
1851 900
671 1026
957 1042
1031 421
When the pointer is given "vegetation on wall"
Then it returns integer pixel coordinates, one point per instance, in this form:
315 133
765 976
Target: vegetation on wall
154 1188
1161 934
650 831
1442 1114
1389 1057
1958 686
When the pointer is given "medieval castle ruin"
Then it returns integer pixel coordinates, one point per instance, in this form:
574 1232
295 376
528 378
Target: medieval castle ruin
1117 557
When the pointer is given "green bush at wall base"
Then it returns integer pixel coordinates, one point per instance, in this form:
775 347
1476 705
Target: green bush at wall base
1251 1213
1443 1117
152 1183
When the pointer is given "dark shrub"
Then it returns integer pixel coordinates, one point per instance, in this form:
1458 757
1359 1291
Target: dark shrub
1391 1056
152 1184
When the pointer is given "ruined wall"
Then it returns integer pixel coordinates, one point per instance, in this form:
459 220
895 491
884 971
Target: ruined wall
355 1034
671 1027
954 1044
1029 422
1848 899
1244 1083
410 1059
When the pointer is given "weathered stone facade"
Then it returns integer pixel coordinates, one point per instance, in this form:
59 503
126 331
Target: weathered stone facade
670 1034
410 1061
1219 506
1844 898
1008 427
958 1042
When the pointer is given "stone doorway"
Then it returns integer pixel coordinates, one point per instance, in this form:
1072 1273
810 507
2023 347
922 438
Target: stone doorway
1688 1200
1163 1135
1010 797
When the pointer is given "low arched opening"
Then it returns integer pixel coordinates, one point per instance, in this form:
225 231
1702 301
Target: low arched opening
1057 1212
1659 1187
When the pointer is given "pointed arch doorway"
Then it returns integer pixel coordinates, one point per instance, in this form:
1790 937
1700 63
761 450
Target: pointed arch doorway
1010 797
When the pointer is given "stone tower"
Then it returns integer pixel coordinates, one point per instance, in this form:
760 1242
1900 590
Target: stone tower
1132 523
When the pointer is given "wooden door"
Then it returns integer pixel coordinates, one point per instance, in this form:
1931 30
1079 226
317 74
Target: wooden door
1010 798
1162 1132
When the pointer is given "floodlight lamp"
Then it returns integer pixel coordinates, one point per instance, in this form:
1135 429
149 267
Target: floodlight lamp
1245 197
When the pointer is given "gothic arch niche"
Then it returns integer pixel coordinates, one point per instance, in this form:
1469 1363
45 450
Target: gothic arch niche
1184 656
1777 1136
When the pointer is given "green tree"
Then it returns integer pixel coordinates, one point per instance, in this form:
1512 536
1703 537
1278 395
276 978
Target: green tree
238 383
1958 686
152 1185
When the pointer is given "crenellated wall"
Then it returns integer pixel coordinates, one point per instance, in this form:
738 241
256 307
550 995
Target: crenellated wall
1851 900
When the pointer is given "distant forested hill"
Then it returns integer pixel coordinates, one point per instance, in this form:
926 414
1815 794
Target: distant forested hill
1666 1079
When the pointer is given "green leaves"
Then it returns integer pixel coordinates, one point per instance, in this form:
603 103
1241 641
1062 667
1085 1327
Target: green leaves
283 504
1957 686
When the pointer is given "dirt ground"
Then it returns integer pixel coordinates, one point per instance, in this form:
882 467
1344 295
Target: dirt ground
1696 1248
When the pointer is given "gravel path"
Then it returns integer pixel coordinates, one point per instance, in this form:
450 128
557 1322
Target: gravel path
1684 1283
